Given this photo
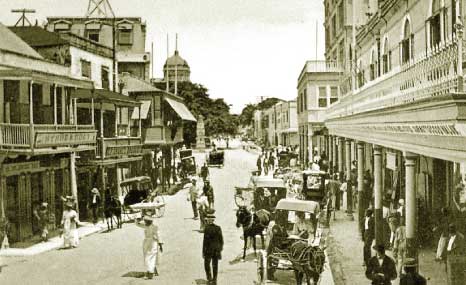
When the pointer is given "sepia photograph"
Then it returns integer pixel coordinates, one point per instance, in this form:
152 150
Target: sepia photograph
232 142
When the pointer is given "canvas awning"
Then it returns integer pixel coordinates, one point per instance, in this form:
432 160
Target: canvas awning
145 106
105 96
181 110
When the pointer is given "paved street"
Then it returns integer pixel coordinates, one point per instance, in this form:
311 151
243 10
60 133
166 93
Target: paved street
116 257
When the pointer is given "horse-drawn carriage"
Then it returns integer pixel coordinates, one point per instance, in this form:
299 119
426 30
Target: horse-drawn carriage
188 163
140 195
262 193
313 185
216 158
304 256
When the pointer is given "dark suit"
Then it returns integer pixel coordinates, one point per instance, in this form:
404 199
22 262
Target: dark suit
368 237
412 279
388 269
212 247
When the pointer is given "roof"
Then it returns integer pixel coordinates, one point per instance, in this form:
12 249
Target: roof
124 56
298 205
12 43
176 59
181 110
38 37
264 182
133 84
103 95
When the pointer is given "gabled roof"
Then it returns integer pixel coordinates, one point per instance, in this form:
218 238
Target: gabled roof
12 43
37 36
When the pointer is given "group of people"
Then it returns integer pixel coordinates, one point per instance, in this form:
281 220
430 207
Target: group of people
267 162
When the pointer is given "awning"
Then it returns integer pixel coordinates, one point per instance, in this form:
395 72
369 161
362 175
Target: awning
105 96
181 110
144 110
43 77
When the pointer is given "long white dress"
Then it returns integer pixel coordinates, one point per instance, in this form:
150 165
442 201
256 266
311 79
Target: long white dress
150 246
343 189
70 231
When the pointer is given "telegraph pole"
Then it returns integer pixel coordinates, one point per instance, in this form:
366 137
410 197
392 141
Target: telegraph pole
23 19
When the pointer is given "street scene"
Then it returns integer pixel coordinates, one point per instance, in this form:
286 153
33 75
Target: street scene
232 142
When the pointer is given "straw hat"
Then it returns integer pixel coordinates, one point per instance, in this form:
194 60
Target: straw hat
410 262
210 214
95 191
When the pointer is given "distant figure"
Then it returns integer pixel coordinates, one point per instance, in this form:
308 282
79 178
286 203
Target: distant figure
209 192
205 172
193 193
259 164
94 204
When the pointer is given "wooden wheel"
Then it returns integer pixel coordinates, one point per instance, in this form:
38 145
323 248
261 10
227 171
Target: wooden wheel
262 267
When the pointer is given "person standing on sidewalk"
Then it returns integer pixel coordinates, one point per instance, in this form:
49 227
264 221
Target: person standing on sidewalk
399 247
193 193
42 215
212 247
69 225
150 246
259 165
369 235
94 204
381 268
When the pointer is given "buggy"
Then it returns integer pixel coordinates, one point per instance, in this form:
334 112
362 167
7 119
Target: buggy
216 158
139 195
188 163
262 192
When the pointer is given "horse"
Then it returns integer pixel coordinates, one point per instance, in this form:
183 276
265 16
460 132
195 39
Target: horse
308 261
253 224
115 206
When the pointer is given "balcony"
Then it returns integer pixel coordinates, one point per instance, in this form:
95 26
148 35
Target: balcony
430 75
120 147
46 138
322 66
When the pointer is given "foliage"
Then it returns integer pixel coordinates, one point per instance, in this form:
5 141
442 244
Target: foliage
247 114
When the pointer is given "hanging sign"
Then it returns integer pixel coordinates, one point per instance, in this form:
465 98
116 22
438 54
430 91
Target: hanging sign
391 161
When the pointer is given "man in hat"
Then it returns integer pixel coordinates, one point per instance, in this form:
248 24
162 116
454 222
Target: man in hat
368 235
411 277
94 204
209 192
212 247
204 171
193 193
381 269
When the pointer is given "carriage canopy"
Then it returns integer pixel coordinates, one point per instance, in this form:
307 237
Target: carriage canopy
298 206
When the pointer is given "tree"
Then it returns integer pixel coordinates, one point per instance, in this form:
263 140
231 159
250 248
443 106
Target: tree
247 114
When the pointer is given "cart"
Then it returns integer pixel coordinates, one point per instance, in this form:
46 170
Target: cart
188 163
297 255
139 194
262 192
216 158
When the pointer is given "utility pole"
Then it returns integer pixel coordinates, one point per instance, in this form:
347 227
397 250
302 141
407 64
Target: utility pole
23 19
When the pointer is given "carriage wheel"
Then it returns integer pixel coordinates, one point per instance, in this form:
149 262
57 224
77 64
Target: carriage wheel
261 267
159 212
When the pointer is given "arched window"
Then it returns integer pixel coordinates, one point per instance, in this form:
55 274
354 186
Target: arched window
435 24
386 57
373 66
407 43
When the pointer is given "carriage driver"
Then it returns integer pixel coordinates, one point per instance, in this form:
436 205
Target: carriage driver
303 227
278 239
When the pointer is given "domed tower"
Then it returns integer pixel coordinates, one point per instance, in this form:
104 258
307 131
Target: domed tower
176 65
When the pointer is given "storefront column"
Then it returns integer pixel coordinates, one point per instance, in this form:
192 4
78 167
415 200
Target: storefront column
340 157
411 205
118 175
349 191
2 196
361 199
378 194
102 182
330 154
74 186
334 153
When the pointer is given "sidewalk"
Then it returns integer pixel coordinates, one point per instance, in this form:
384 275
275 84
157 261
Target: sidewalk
346 261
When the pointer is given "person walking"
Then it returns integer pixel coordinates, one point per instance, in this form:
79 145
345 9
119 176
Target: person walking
193 193
411 277
271 162
212 247
259 165
95 204
69 224
42 216
204 172
209 192
368 235
265 162
381 269
203 207
399 247
151 245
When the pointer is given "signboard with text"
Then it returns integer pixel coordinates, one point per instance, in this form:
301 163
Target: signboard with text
48 139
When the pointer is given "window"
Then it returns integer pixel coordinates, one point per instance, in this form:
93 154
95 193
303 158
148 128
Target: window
386 57
298 102
93 35
105 78
125 37
407 44
373 66
322 97
333 94
434 24
305 100
86 68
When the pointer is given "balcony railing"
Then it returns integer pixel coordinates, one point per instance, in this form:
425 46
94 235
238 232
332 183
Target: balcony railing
430 75
118 147
25 136
322 66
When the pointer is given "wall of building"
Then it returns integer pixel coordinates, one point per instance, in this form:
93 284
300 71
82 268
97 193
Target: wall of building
97 62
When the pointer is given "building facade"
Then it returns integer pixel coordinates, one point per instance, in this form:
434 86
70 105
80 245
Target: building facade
287 123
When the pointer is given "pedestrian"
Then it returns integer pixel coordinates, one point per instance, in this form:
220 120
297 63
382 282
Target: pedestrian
209 192
212 247
265 162
344 194
193 193
381 268
271 162
259 165
442 227
399 247
203 207
151 245
69 224
94 204
411 277
334 192
42 216
368 235
205 171
393 223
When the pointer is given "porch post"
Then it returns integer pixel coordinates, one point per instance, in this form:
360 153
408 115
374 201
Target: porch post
117 114
349 191
74 186
330 154
102 144
361 199
334 153
139 122
31 116
75 109
378 194
92 111
340 157
411 205
55 104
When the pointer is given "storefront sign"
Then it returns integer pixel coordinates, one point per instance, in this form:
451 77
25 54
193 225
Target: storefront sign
21 167
56 139
391 161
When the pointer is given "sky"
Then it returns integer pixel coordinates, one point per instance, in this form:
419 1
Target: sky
239 49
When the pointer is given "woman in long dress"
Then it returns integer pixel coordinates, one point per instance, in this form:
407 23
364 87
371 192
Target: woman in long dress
69 224
150 246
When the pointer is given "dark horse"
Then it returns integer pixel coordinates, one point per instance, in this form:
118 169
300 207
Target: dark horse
112 207
308 261
253 224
